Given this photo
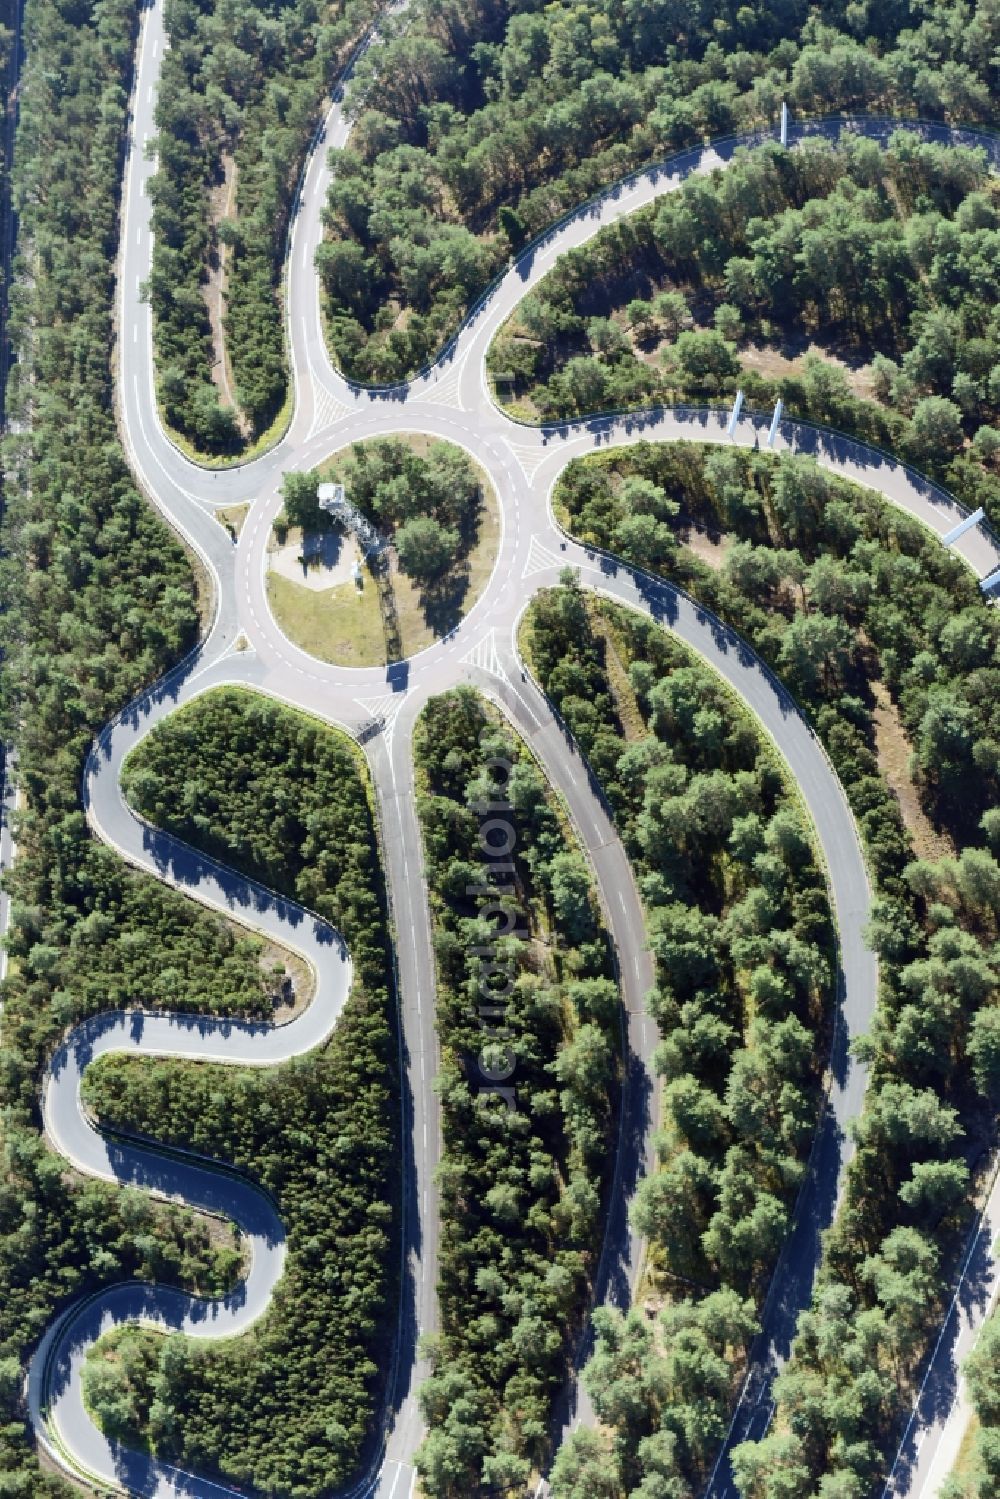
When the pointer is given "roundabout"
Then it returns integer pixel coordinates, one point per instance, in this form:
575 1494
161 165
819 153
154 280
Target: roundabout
379 705
403 573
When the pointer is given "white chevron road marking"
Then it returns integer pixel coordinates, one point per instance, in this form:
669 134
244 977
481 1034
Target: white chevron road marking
485 656
540 559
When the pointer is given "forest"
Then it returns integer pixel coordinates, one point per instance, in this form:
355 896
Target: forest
875 629
479 125
857 283
528 1017
8 22
98 600
741 933
286 1408
240 91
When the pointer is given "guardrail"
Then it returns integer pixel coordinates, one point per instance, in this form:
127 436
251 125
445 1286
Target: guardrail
863 451
871 126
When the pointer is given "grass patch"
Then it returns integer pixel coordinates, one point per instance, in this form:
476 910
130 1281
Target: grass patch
961 1480
342 625
232 518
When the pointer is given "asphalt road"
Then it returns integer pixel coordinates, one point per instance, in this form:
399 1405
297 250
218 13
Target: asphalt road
244 645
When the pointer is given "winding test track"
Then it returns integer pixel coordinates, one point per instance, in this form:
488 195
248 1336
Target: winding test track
451 400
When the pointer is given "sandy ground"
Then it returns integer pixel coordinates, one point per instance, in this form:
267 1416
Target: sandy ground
221 201
316 561
893 750
697 540
773 363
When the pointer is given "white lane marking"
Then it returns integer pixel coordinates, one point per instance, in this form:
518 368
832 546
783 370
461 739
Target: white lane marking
195 499
531 714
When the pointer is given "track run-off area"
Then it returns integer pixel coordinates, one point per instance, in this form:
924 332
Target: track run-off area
379 706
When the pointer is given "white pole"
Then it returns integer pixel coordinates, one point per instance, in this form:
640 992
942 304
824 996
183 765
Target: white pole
735 416
950 537
776 418
784 125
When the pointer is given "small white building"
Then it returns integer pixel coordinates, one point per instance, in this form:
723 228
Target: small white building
330 496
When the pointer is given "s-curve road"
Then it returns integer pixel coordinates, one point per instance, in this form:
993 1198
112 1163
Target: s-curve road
244 645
